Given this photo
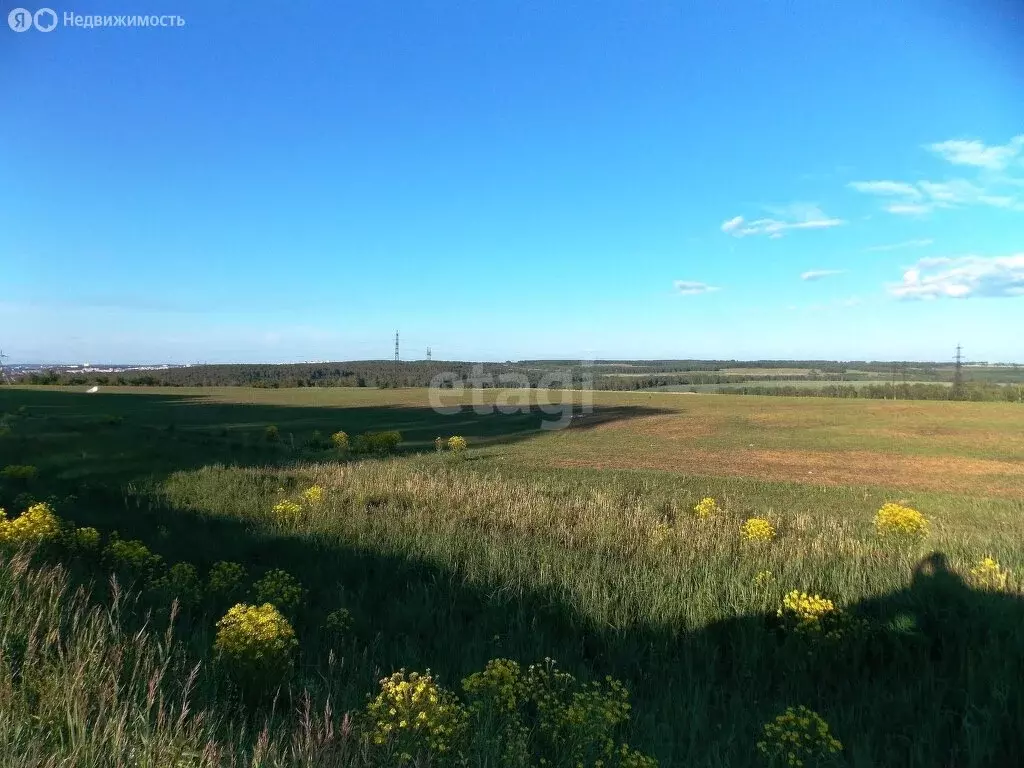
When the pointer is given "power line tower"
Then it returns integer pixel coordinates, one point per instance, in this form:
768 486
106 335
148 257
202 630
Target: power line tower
396 358
428 354
958 371
3 370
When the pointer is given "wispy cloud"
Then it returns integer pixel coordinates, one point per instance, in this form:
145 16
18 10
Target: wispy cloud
994 186
962 278
795 216
818 274
920 243
928 196
909 209
887 189
692 288
976 153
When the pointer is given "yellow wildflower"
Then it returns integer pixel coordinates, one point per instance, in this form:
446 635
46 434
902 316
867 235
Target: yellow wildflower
758 529
256 640
35 525
313 495
898 521
414 715
988 574
706 507
287 511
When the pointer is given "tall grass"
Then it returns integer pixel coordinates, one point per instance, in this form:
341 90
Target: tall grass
77 689
447 565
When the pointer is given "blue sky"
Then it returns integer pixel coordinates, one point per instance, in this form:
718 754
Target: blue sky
506 180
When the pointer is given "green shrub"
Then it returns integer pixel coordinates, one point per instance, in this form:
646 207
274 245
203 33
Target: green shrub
225 580
181 583
379 443
130 557
22 472
279 588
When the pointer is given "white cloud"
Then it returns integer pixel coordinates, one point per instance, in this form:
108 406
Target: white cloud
817 274
732 224
908 209
691 288
973 152
886 189
920 243
994 186
963 277
927 196
795 216
955 192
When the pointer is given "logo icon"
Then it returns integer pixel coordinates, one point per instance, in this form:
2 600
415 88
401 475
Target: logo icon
45 20
20 20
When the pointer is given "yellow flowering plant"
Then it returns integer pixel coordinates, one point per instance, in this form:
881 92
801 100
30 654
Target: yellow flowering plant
36 525
544 711
256 642
287 511
990 575
496 696
764 579
706 507
414 719
798 736
807 614
313 495
279 588
896 521
457 444
758 529
340 441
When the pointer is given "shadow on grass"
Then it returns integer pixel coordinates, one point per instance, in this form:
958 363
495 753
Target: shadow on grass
934 682
114 437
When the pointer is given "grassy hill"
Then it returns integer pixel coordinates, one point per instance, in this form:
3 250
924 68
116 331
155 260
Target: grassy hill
579 544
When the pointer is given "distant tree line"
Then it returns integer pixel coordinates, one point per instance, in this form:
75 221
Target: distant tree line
982 383
973 391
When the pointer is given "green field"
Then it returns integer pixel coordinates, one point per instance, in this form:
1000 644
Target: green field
578 544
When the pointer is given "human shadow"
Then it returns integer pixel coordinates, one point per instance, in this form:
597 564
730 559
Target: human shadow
929 677
933 678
